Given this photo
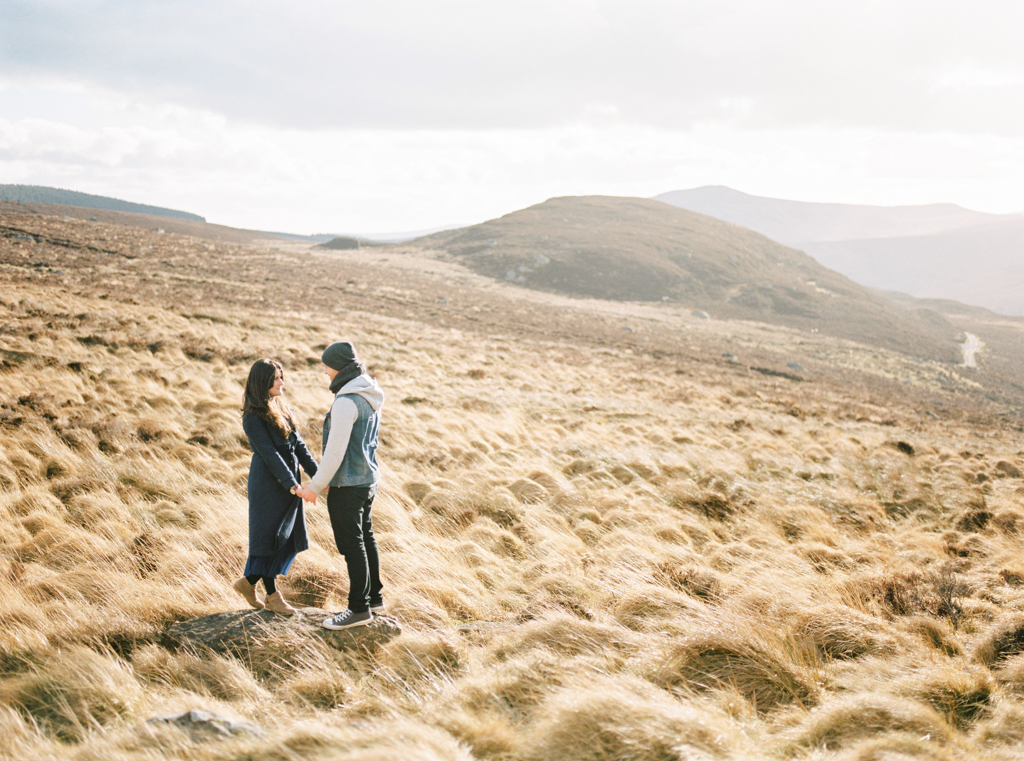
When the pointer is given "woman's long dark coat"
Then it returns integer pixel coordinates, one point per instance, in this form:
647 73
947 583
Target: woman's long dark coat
273 472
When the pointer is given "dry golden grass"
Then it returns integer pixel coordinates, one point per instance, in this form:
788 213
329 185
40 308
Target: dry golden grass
595 554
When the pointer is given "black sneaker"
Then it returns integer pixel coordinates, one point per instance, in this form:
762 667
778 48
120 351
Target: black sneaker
378 608
347 619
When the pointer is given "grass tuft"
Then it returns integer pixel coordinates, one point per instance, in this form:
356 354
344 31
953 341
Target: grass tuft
424 656
937 633
1005 638
75 692
625 718
842 722
566 635
759 669
842 633
961 696
701 582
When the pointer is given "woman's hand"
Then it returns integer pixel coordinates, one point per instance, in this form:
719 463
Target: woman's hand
307 494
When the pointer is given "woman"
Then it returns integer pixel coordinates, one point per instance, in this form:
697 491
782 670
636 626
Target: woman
348 468
274 480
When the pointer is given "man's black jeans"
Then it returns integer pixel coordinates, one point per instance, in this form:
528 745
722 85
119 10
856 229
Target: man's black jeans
349 508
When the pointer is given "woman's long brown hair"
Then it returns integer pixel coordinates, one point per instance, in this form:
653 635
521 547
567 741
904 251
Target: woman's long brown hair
257 400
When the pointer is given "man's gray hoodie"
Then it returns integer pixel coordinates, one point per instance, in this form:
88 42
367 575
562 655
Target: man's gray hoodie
343 416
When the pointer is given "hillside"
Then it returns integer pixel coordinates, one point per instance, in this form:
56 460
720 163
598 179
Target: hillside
153 222
1000 361
601 543
344 242
937 251
640 250
796 223
31 194
981 264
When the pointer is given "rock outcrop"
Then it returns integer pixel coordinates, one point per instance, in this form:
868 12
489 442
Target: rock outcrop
243 631
203 725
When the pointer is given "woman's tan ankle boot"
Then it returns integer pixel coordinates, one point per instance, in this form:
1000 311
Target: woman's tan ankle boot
248 591
277 604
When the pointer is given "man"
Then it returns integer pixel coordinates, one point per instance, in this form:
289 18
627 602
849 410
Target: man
348 471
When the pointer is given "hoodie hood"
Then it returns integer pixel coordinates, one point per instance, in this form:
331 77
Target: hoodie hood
366 387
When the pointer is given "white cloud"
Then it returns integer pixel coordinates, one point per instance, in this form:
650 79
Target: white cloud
375 180
463 64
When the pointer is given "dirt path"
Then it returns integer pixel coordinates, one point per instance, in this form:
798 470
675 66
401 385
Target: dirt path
971 346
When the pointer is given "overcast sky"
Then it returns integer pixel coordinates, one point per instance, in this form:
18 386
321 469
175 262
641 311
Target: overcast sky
336 116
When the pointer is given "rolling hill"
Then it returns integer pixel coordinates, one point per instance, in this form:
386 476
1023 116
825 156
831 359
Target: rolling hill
635 249
175 225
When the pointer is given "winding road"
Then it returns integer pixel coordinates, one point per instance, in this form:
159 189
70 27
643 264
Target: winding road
970 346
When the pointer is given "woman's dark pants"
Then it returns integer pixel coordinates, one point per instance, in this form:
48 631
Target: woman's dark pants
349 508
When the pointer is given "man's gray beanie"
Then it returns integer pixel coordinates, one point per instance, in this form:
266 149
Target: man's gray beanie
339 355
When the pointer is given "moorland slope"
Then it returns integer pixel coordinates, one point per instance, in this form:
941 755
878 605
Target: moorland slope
602 543
189 227
60 197
635 249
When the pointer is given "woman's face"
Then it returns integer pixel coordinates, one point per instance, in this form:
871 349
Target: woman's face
278 388
330 372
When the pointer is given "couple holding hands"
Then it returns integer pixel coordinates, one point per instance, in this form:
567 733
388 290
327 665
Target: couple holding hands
347 473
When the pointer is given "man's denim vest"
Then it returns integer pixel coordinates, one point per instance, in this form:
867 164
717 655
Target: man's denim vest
359 467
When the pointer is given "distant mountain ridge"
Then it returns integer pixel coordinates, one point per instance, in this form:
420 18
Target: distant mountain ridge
798 222
938 251
981 264
43 194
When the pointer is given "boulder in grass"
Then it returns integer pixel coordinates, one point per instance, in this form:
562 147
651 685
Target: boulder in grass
203 725
243 632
